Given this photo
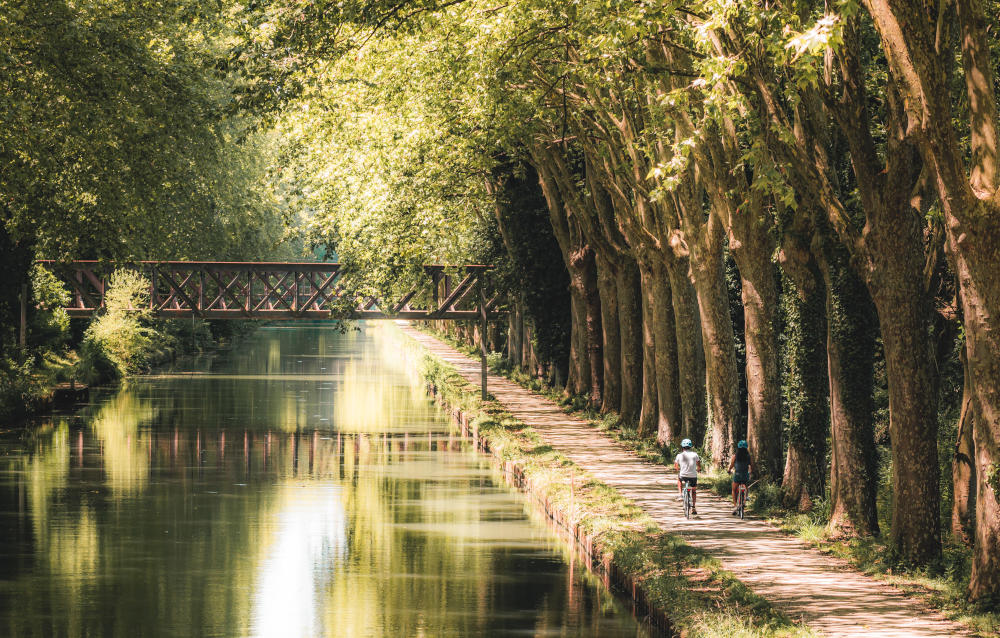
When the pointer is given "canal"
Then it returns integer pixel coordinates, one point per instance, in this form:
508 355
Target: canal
299 485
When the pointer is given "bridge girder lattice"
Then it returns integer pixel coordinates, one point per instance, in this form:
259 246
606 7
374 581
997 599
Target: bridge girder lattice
281 291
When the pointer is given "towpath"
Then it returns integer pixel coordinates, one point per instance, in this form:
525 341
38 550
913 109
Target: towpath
822 591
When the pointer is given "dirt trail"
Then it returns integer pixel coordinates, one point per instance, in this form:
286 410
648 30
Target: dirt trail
822 591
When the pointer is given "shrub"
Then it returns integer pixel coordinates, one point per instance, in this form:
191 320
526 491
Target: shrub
49 321
122 341
18 386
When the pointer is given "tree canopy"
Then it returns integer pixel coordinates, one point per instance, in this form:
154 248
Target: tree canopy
719 220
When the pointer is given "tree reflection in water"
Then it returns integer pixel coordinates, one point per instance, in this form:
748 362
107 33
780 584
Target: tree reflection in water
300 485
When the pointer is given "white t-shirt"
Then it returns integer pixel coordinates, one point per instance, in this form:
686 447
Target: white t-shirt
688 462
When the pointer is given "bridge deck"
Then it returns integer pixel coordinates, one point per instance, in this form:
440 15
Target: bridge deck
282 291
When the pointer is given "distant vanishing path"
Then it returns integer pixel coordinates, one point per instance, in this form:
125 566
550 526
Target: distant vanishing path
804 583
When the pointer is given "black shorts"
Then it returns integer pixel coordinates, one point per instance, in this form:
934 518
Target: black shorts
693 482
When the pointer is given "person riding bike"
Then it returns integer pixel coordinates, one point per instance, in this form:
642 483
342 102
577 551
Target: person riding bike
740 465
688 464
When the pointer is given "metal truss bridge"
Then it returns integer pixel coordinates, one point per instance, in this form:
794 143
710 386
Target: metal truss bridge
280 291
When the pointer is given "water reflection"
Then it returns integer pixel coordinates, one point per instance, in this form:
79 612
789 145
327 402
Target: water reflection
301 485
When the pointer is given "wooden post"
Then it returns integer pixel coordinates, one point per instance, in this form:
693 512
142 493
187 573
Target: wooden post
154 300
482 333
201 289
23 336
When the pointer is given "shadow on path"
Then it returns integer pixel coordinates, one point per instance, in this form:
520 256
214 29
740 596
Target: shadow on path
806 584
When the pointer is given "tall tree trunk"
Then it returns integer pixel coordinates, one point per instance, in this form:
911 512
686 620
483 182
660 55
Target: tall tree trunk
904 319
982 332
720 350
649 413
668 396
690 352
608 288
850 347
577 381
515 331
751 248
595 338
806 381
963 467
575 255
526 348
630 327
972 221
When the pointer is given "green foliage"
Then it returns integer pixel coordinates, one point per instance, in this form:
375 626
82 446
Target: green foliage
533 267
993 477
18 386
117 141
121 341
804 355
49 321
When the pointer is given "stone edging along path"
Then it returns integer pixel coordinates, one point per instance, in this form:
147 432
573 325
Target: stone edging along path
822 591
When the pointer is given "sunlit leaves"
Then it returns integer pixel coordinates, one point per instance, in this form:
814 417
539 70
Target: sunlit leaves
113 138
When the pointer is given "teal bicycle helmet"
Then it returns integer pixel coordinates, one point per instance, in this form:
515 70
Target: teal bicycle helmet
686 443
742 445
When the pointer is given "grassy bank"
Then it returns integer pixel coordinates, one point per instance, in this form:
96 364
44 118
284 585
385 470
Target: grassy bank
27 383
941 585
699 598
124 339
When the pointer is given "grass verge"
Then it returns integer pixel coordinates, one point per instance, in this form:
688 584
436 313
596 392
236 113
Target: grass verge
699 598
940 586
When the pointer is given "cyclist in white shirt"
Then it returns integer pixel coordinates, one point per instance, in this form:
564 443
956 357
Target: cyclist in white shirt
688 464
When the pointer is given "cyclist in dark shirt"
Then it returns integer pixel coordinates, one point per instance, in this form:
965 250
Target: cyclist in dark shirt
740 465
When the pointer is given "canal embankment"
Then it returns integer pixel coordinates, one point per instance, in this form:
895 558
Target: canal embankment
47 380
676 588
712 575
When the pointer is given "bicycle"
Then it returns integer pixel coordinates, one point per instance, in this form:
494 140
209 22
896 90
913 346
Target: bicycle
686 496
741 499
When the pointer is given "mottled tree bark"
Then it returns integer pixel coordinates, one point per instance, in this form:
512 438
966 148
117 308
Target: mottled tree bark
971 209
526 349
595 356
608 289
515 329
585 265
669 419
890 257
575 253
720 349
751 248
690 352
850 347
630 327
705 236
576 380
904 317
649 412
963 467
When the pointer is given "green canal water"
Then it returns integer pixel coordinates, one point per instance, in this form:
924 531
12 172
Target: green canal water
299 485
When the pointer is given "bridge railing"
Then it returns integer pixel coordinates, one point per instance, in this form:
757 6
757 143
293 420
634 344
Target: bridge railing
281 290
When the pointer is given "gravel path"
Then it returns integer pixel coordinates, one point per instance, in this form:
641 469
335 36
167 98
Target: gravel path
822 591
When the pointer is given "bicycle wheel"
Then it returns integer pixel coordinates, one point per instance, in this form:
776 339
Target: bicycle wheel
687 502
743 501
